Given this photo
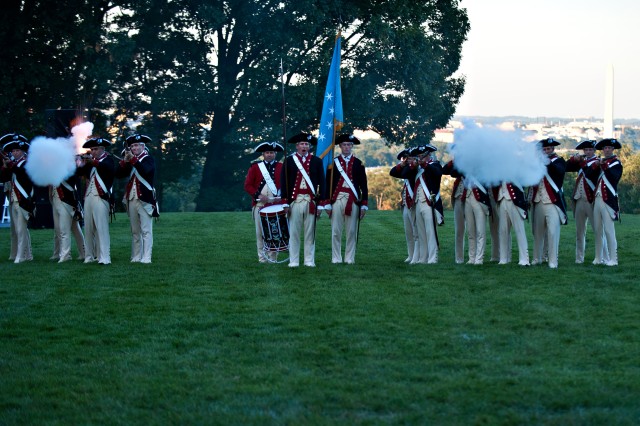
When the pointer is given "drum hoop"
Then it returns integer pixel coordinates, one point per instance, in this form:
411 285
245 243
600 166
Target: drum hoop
271 209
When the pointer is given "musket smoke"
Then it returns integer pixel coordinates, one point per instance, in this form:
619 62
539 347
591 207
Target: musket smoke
492 156
81 133
50 161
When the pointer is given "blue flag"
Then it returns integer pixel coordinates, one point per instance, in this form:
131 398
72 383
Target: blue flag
332 119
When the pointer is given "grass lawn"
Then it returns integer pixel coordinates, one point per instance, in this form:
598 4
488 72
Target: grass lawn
207 335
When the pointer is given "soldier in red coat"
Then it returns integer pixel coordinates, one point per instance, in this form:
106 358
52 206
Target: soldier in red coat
303 188
21 204
605 207
458 209
99 169
477 207
408 204
588 168
140 195
512 212
349 198
67 215
263 185
429 211
548 209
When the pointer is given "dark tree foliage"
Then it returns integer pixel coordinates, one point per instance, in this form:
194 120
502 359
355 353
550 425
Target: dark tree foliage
202 77
52 57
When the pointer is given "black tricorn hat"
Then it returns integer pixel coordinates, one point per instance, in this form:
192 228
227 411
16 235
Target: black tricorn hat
404 153
95 142
14 141
269 146
608 142
548 142
586 144
303 137
423 149
137 138
347 138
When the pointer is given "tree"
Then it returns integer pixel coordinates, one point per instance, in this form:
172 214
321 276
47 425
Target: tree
384 189
398 61
201 77
51 58
629 185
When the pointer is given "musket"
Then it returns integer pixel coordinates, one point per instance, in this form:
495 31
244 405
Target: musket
433 218
284 134
331 165
358 226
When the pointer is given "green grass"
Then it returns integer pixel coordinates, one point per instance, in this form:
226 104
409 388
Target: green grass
207 335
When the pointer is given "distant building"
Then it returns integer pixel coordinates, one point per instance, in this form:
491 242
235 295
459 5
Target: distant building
577 129
443 135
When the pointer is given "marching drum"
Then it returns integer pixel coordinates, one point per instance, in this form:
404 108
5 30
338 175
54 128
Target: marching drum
275 228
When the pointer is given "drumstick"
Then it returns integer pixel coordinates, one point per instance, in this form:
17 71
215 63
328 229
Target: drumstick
270 198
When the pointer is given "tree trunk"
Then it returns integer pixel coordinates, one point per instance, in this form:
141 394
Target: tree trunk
217 173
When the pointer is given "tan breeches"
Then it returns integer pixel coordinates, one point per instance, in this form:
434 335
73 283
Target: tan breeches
301 220
583 213
339 222
64 226
96 228
20 238
459 227
546 225
475 214
511 217
426 233
411 234
605 232
141 230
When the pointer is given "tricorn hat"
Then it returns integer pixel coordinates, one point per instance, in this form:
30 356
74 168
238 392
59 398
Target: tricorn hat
95 142
269 146
347 138
137 138
423 149
608 142
404 153
14 141
548 142
586 144
303 137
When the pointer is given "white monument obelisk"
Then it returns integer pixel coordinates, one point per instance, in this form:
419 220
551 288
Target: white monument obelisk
608 104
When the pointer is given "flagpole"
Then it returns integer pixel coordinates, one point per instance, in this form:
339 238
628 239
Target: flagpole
333 149
331 112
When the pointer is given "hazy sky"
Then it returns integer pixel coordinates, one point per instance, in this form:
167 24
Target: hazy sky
542 58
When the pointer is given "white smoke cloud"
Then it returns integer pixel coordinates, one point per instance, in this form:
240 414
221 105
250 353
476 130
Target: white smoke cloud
50 161
492 156
81 133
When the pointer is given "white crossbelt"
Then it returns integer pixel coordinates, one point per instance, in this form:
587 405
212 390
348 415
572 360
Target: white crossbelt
346 178
608 184
16 184
95 174
474 182
584 176
409 189
551 182
304 173
66 185
142 180
426 190
267 177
